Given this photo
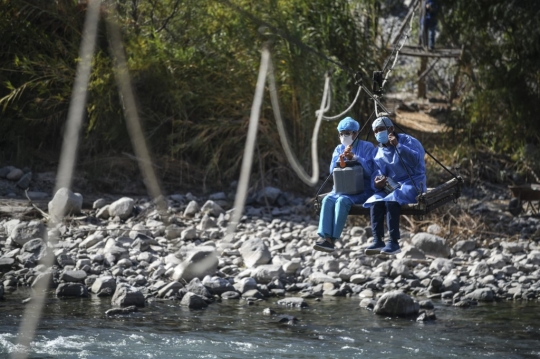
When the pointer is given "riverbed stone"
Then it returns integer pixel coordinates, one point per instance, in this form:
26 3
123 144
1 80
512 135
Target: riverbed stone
126 295
266 273
295 302
122 208
255 252
102 283
23 232
169 290
396 303
193 301
77 276
65 202
199 262
72 290
431 244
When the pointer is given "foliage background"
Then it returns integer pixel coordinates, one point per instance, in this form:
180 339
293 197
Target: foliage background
194 65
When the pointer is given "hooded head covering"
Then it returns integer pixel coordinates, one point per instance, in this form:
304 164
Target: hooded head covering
382 121
348 124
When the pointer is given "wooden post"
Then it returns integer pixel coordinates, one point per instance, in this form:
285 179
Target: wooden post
455 84
422 79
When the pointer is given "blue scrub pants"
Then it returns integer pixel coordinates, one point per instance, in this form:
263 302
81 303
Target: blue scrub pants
392 211
334 212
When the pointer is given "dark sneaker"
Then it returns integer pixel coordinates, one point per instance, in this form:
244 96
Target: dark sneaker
392 247
324 246
374 248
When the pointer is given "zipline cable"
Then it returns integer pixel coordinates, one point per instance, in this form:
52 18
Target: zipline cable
33 311
247 159
293 161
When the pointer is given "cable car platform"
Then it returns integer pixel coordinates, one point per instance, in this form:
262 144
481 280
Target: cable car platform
419 51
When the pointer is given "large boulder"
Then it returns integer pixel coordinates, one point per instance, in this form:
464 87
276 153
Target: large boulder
431 244
193 301
72 290
106 284
396 303
265 273
255 252
23 232
198 263
126 295
122 208
65 202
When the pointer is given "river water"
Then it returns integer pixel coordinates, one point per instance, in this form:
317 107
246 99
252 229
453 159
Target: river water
329 328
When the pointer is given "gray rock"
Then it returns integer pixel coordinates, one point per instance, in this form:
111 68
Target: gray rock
72 290
431 244
15 174
464 246
26 231
481 295
77 276
296 302
122 311
6 264
367 303
102 283
396 303
195 286
217 285
192 209
245 284
266 273
212 208
442 266
126 295
188 234
170 289
64 203
193 301
255 252
99 203
122 208
200 262
25 180
230 295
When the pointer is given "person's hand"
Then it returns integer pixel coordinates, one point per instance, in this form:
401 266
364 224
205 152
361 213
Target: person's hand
392 139
348 152
380 182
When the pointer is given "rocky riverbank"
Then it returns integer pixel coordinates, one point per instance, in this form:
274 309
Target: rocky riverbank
127 252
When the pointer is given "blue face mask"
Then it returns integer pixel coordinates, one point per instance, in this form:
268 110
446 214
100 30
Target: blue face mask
382 137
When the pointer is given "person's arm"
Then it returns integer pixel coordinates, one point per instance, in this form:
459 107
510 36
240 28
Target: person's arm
410 150
335 158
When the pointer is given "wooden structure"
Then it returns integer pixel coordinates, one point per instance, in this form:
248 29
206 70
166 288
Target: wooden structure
526 194
427 202
422 51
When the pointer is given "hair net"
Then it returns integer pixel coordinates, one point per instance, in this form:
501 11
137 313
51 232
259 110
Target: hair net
348 124
382 121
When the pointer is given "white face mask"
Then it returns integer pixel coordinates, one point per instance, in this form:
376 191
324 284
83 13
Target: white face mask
346 140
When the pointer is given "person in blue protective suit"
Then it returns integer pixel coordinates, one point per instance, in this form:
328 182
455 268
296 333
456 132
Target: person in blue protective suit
429 23
335 206
400 174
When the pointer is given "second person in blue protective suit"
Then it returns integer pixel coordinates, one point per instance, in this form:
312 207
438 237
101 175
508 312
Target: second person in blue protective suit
400 174
335 206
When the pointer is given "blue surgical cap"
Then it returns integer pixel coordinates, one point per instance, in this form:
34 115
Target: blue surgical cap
382 121
348 124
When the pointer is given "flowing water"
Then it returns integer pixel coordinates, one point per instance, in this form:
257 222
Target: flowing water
329 328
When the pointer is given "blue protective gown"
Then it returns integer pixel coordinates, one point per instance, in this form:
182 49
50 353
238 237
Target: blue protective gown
335 207
387 163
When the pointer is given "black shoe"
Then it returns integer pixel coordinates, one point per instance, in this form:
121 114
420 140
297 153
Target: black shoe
324 246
